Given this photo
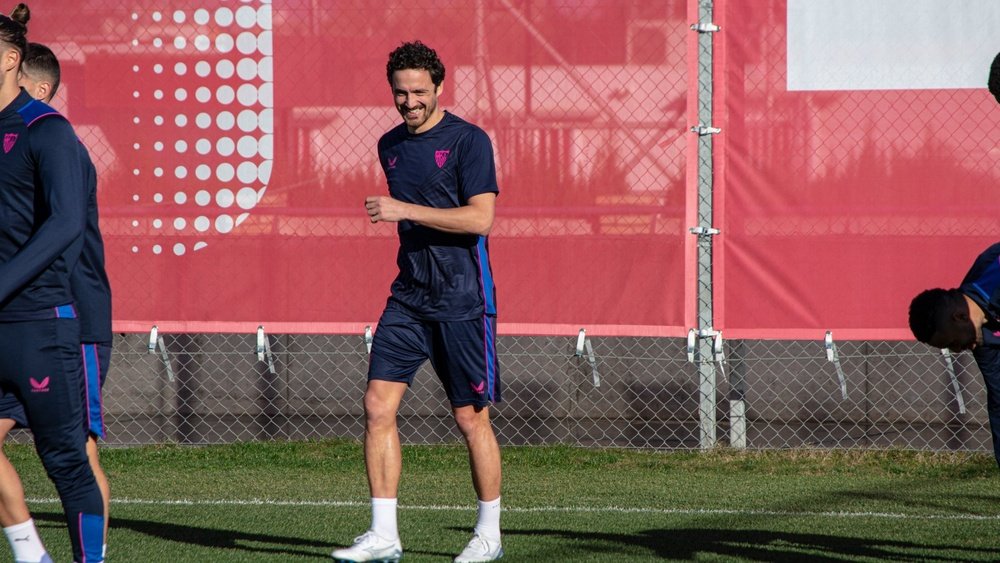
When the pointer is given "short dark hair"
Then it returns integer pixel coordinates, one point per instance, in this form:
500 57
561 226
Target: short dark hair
934 309
994 82
417 56
39 60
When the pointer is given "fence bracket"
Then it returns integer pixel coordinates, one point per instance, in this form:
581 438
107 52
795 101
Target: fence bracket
708 27
264 350
704 231
156 341
368 338
950 364
834 357
703 130
583 346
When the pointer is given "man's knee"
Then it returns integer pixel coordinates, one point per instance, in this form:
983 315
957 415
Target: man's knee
472 420
382 403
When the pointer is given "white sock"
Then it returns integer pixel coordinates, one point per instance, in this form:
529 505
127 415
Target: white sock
24 541
488 524
384 518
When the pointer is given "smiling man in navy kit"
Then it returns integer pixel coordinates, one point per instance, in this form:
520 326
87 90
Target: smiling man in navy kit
442 308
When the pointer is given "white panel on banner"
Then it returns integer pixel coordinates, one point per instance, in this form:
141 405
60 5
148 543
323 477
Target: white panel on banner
891 44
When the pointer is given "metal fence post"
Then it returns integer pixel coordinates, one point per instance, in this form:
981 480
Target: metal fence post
707 384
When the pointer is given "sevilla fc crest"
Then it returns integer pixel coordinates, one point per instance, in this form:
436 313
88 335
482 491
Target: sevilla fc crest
440 157
10 138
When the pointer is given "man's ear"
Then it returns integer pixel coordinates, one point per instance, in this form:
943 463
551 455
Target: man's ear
10 60
42 90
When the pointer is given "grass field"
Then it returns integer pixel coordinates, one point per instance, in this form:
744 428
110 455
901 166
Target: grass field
298 501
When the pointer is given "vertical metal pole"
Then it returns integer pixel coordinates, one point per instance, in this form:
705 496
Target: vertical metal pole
706 369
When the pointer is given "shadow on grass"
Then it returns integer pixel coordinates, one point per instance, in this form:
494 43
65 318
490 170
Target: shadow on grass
210 537
756 545
251 542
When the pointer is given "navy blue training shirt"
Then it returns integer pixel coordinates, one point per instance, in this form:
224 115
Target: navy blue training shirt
42 210
442 276
89 280
982 285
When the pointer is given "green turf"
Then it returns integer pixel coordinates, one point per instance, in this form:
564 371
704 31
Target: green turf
562 504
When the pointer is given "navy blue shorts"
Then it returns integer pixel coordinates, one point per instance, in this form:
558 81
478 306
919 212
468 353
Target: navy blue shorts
96 358
462 353
42 372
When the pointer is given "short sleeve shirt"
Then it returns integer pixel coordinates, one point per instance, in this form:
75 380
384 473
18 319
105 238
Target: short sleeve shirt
442 276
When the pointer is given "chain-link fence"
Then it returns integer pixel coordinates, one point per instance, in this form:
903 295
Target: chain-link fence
616 392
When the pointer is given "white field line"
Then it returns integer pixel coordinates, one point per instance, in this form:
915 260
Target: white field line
554 509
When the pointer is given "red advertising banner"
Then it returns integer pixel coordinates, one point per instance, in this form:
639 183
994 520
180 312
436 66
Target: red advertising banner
235 144
858 163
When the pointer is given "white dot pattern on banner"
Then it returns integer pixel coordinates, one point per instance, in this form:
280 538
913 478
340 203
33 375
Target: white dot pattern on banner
225 198
246 198
224 68
231 156
225 146
225 121
224 16
224 43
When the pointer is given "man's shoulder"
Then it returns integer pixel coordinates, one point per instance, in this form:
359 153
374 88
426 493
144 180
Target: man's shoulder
461 126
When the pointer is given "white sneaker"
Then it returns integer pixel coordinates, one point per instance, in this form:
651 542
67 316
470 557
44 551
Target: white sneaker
369 546
480 549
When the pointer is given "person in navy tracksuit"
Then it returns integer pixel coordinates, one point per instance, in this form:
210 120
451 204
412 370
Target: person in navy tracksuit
43 206
40 77
968 318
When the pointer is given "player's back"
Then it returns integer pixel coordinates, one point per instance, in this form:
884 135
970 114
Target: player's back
89 280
